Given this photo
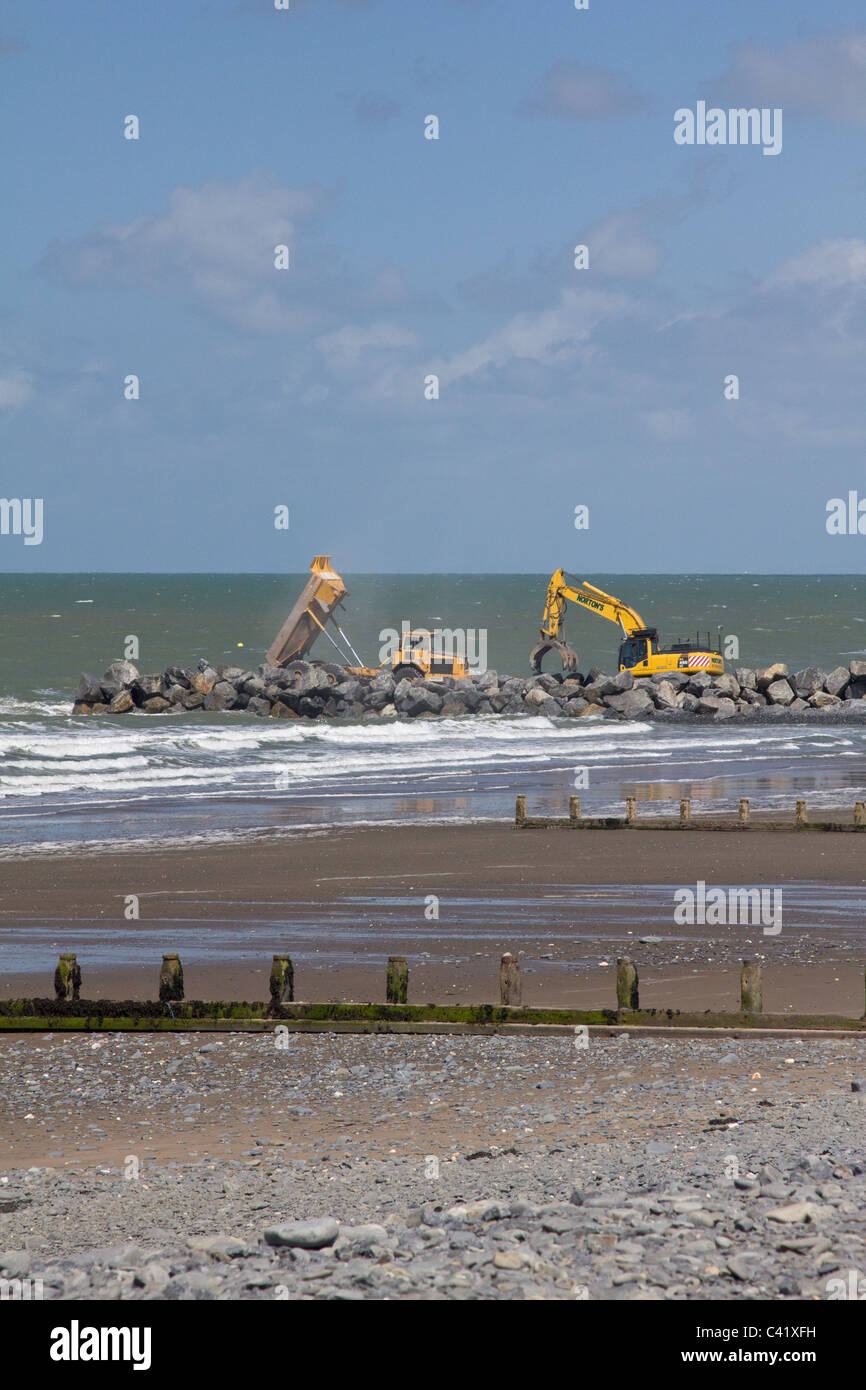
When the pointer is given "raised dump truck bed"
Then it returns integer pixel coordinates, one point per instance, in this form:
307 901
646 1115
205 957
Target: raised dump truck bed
322 594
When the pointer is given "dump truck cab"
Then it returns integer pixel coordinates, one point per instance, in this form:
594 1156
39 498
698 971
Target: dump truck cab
423 653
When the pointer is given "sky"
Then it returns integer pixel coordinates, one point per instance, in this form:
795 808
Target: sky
308 388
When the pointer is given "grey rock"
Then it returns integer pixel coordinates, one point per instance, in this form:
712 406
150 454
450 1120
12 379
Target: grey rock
633 704
223 695
779 692
837 680
118 676
307 1235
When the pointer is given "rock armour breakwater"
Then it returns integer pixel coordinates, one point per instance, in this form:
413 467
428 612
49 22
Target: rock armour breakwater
314 690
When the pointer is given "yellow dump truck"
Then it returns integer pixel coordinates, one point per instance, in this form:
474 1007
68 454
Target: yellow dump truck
418 653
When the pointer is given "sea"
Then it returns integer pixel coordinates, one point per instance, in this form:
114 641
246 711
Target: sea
72 784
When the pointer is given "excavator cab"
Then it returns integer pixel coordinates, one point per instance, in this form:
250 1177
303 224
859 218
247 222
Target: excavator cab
635 649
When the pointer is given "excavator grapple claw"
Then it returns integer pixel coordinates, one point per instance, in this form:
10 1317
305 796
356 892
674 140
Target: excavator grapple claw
549 644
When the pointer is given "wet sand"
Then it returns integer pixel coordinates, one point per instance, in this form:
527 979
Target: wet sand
340 903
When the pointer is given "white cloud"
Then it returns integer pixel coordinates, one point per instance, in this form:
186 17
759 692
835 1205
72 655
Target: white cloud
16 388
218 238
667 426
582 93
548 337
344 348
833 264
823 73
617 246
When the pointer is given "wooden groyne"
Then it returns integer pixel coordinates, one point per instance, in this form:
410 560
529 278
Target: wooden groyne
68 1012
575 820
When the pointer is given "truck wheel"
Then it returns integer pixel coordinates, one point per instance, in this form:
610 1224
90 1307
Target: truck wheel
330 668
407 671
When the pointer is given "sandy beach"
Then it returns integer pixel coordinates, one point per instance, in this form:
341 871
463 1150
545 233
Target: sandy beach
339 903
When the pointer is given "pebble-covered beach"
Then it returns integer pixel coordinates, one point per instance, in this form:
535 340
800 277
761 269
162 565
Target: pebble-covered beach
358 1167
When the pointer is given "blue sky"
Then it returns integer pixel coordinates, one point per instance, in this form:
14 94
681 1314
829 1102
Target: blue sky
412 257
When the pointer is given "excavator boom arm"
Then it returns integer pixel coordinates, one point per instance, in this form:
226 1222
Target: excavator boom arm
559 591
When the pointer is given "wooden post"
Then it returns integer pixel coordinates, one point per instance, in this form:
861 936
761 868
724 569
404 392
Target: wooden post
626 984
510 983
800 813
520 810
170 979
67 977
751 988
686 810
574 809
282 980
631 809
397 980
744 810
860 812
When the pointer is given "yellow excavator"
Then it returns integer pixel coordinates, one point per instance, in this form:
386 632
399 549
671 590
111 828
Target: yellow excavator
641 652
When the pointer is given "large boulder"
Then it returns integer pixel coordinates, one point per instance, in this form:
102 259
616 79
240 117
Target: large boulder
665 695
699 682
857 669
466 693
822 699
837 680
348 690
88 690
313 679
576 705
778 692
176 675
309 706
678 679
545 681
280 711
765 677
746 678
156 705
146 688
719 706
121 703
807 681
534 698
421 701
118 676
258 705
603 685
222 696
726 685
631 704
203 679
856 688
